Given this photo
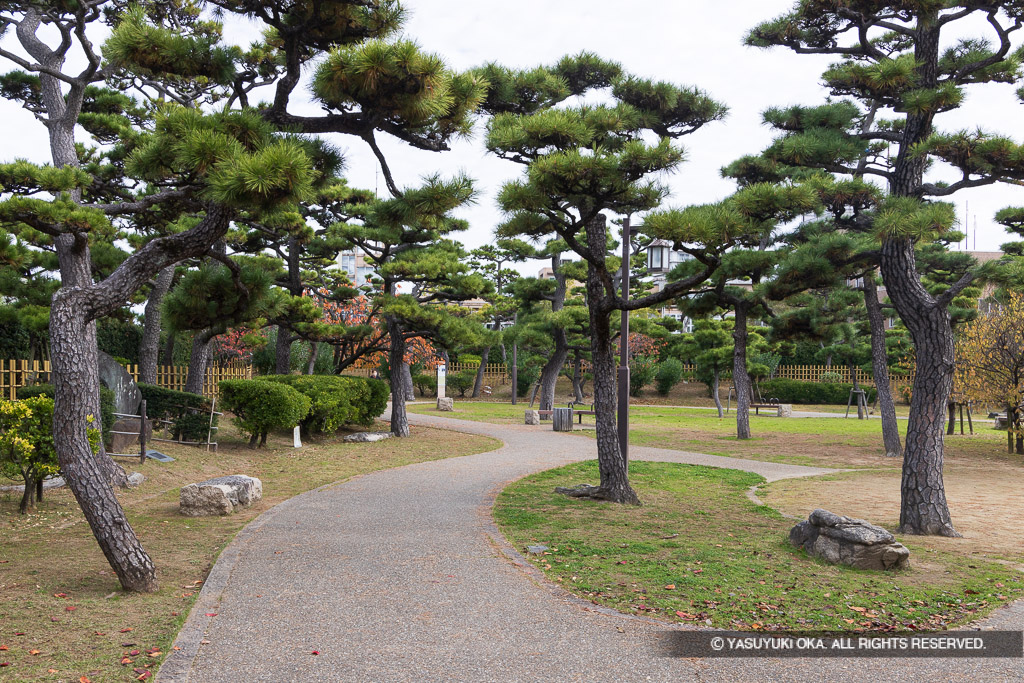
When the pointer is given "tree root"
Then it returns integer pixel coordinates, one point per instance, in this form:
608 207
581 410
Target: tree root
596 493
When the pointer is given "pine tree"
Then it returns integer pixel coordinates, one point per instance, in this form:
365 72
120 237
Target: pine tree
582 161
906 59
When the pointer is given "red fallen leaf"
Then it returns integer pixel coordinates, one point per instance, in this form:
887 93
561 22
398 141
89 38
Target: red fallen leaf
125 630
315 652
153 649
5 663
211 614
70 608
125 661
33 652
100 633
174 614
670 587
697 571
19 633
51 671
144 675
60 595
3 647
139 670
621 562
84 679
134 653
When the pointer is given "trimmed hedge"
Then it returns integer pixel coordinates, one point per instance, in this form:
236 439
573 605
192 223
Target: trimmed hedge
336 400
261 406
670 373
107 405
821 393
168 404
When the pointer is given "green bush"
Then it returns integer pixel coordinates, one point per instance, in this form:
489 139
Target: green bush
336 401
189 413
26 444
793 391
425 383
461 381
642 372
261 406
670 372
107 404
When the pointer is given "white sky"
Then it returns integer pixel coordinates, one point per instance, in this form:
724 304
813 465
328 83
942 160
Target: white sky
698 43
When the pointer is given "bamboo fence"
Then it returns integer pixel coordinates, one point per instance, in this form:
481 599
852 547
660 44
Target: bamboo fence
18 373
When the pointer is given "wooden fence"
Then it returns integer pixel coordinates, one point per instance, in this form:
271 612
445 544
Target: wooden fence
18 373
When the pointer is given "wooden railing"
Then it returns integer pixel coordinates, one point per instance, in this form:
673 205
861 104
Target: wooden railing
18 373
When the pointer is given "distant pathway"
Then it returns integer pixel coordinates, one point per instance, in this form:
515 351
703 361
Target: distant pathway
401 575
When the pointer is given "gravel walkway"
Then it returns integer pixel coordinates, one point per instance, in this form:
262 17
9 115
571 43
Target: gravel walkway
401 575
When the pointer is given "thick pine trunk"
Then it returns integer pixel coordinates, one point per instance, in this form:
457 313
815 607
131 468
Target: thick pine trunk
150 346
168 352
396 361
283 352
923 509
611 463
552 369
478 383
75 379
407 385
880 370
740 378
198 362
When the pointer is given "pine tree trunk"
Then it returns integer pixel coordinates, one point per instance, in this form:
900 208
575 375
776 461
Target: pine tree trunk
75 379
880 370
168 352
552 369
923 508
614 469
150 346
314 352
198 361
407 385
715 392
740 378
283 352
396 361
478 383
577 378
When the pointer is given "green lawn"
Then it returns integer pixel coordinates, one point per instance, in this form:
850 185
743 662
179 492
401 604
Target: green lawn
699 551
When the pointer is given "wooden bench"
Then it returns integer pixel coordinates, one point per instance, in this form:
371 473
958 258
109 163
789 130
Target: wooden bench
581 413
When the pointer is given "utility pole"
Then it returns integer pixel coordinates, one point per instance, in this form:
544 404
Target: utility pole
623 414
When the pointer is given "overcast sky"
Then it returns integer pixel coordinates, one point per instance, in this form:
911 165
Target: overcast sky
697 43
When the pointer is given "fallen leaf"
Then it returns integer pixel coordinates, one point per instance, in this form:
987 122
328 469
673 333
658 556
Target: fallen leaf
144 675
670 587
70 608
211 614
125 661
100 633
51 671
175 647
60 595
316 652
5 663
134 653
33 652
54 619
3 647
125 630
859 609
84 679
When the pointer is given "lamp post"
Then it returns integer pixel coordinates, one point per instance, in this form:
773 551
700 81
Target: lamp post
623 413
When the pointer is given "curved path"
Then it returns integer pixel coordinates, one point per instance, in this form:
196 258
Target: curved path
400 575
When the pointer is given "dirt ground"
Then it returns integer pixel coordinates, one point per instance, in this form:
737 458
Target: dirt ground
985 497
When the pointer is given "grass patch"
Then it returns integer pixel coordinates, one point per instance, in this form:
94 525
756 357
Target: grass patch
699 551
59 596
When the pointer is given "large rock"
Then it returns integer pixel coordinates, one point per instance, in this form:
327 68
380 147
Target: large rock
853 542
114 377
446 405
220 496
127 441
366 437
532 417
785 410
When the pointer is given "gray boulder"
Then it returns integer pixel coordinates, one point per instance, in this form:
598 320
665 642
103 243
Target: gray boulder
220 496
533 417
785 410
366 437
446 405
853 542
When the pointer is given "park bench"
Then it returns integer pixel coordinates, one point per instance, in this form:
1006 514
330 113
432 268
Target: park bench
572 406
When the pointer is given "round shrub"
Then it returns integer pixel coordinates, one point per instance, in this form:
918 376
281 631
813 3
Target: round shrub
261 406
336 401
670 372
